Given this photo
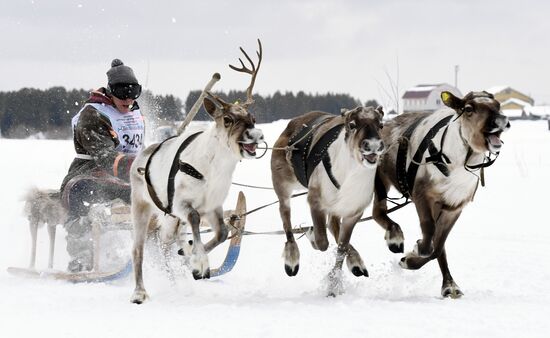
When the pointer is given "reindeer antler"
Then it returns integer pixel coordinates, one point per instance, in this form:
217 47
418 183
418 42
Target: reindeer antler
253 72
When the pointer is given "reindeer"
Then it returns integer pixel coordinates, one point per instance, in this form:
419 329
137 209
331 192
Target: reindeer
43 207
434 159
339 190
190 176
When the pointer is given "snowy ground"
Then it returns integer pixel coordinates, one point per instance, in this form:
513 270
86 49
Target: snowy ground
498 254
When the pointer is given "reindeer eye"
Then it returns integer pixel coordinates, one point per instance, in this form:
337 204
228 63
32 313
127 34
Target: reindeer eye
381 125
352 125
227 121
469 109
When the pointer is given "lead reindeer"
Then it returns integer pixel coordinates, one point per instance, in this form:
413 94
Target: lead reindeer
339 190
189 178
437 159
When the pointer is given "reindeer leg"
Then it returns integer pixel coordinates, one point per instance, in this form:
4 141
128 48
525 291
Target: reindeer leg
335 285
33 226
424 246
141 217
353 260
199 260
394 236
220 230
445 221
51 235
317 237
291 253
449 287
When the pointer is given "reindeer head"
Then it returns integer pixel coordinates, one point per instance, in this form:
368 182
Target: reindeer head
363 126
482 122
233 119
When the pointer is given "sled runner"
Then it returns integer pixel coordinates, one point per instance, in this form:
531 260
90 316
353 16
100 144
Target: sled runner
77 277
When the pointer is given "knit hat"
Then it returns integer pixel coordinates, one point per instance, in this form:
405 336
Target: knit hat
119 73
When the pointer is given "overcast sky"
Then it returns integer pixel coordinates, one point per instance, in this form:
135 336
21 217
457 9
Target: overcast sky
314 46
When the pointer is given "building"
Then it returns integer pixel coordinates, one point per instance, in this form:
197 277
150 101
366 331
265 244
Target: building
510 98
426 97
517 105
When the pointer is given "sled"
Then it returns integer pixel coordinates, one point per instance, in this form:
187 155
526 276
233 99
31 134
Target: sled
117 217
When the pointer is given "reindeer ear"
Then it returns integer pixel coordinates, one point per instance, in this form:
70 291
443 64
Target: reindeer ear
380 111
211 107
451 101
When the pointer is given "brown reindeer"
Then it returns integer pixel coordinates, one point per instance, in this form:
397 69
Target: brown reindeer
435 159
339 189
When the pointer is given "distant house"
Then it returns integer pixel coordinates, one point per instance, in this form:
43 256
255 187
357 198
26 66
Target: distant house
426 97
510 98
517 105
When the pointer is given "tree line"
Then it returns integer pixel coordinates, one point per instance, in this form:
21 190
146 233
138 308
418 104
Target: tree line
30 111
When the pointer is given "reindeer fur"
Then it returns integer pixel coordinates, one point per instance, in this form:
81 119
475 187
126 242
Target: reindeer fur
341 208
477 124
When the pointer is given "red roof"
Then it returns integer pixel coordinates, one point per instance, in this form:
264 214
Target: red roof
420 91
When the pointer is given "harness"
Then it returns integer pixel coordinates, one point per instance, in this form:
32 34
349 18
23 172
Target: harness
304 158
177 166
406 178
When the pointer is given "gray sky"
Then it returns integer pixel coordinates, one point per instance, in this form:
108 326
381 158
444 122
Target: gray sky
314 46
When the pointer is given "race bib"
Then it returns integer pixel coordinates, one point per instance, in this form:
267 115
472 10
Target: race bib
129 127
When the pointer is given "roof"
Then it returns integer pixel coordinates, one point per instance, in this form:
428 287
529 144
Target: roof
516 101
496 89
420 91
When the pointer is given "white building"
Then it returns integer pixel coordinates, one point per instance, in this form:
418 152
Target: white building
426 97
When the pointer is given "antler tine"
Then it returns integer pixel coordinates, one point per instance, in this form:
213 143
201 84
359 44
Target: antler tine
253 71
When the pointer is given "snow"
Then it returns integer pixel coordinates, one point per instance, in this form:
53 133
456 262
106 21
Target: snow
516 101
498 254
513 112
541 111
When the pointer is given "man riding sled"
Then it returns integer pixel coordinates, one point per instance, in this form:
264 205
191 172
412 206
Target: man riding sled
108 133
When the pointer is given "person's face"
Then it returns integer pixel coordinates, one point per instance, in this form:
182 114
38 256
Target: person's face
123 106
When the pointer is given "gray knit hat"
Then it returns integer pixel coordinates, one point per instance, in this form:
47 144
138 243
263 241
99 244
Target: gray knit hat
119 73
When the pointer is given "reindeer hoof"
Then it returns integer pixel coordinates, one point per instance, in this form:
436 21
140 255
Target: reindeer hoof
451 290
422 253
394 239
396 248
358 272
139 297
403 263
197 275
290 271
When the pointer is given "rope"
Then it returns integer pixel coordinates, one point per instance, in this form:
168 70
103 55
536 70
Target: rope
266 205
300 229
251 186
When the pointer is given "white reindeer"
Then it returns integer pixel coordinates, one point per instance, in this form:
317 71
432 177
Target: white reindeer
192 185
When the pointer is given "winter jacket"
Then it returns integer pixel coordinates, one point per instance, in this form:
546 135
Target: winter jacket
94 138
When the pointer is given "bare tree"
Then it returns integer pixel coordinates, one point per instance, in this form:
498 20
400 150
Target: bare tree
391 96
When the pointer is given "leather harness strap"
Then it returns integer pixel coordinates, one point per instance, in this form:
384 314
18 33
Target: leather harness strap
177 165
319 153
305 161
406 177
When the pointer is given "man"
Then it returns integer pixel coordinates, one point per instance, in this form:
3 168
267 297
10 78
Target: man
107 132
